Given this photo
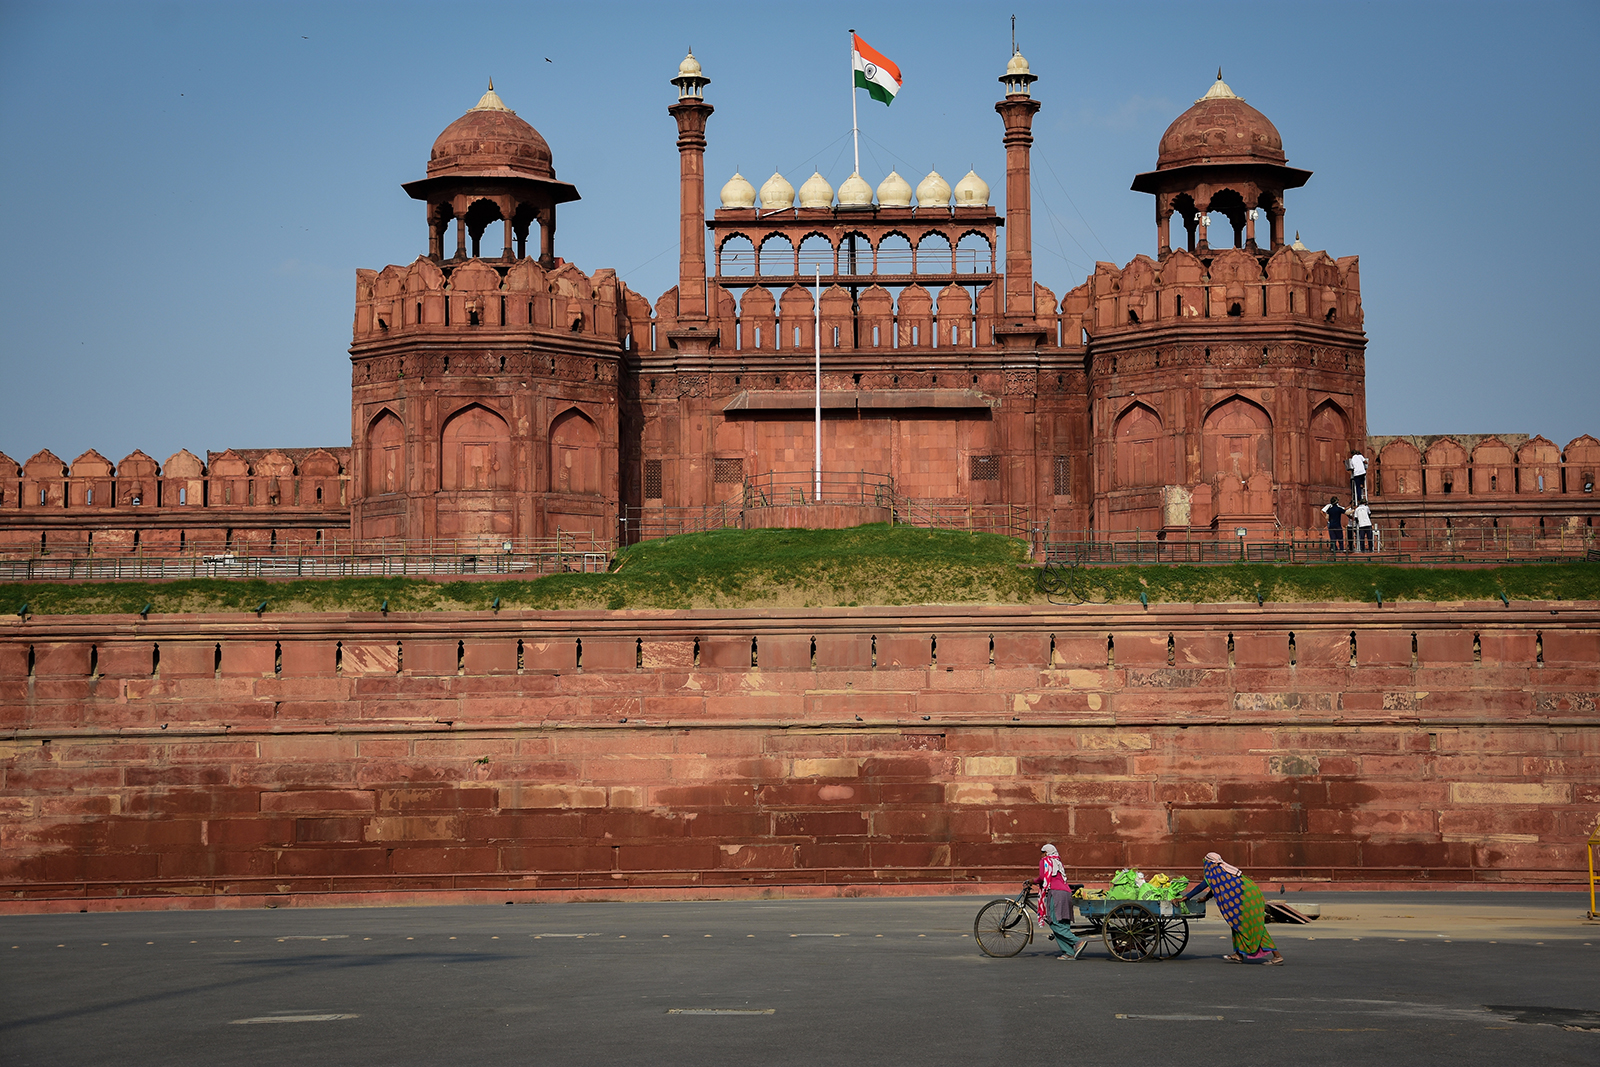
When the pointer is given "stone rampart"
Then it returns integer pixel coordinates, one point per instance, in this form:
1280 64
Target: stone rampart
225 758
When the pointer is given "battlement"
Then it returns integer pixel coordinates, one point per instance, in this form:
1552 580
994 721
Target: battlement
454 299
1182 291
260 499
1482 467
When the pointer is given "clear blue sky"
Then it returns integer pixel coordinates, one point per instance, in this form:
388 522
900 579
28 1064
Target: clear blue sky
191 187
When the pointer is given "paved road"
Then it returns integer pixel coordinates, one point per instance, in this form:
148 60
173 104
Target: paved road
1383 979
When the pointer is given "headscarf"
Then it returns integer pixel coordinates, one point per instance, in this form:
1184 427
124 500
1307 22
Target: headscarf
1212 857
1050 866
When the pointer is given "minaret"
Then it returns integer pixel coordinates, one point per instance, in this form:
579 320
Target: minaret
691 111
1017 111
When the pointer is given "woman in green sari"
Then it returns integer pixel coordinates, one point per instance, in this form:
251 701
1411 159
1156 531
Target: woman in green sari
1242 905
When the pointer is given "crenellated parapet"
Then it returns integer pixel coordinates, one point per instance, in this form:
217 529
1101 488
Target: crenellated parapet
245 500
491 303
1449 467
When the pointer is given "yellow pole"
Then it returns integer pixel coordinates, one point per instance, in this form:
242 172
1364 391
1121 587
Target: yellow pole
1594 839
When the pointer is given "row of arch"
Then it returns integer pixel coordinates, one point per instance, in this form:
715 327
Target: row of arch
1237 443
476 453
315 478
775 254
1446 467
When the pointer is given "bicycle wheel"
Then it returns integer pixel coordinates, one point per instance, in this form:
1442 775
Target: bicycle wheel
1171 937
1002 929
1130 933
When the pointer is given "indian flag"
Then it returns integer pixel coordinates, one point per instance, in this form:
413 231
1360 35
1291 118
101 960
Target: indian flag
879 77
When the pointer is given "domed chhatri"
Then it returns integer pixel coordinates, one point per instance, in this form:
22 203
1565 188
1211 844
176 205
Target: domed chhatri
894 191
491 141
855 192
815 192
933 191
738 193
489 166
776 193
1220 128
972 191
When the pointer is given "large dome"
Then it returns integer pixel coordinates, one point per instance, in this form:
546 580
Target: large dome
490 141
1220 128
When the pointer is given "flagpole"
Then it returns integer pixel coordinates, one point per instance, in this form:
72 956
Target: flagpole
855 126
816 337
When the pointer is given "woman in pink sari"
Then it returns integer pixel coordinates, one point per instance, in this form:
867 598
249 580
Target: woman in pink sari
1055 903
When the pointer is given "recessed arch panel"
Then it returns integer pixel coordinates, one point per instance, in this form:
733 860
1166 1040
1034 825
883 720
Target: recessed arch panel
575 454
1138 440
1238 440
475 451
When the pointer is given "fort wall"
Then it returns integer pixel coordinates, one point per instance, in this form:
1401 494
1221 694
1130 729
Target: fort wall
202 760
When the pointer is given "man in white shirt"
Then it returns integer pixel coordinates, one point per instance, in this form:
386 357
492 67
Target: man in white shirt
1358 476
1363 526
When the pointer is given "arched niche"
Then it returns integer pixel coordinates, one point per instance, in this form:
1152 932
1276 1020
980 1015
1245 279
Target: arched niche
1330 444
1138 437
385 459
575 454
475 451
1238 440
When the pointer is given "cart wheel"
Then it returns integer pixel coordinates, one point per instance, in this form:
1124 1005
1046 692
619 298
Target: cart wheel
1131 933
1002 929
1171 937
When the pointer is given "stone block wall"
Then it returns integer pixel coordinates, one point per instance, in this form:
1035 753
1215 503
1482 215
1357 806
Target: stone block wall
215 759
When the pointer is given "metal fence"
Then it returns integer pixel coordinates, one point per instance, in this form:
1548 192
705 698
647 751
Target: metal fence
567 553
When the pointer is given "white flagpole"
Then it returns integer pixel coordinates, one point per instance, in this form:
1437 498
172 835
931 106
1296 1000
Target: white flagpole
816 337
855 125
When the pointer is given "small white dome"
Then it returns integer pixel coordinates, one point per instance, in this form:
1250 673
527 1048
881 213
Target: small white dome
738 192
894 191
855 192
972 191
776 193
933 191
816 192
1018 65
690 67
1219 90
1297 246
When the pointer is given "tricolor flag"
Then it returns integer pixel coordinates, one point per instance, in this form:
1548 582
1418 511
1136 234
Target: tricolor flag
879 77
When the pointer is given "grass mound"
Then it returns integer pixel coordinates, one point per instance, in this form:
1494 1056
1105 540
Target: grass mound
824 568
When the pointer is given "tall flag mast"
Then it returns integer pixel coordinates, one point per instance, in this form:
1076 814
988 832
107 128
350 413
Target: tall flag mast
872 71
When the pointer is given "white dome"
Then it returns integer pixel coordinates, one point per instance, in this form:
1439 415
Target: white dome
690 67
1018 65
933 191
972 191
777 193
894 191
816 192
738 192
1298 246
855 192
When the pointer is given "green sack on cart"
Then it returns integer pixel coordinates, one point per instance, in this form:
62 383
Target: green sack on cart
1124 885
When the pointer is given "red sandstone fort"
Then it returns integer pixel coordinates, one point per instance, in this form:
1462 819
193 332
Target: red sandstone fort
499 393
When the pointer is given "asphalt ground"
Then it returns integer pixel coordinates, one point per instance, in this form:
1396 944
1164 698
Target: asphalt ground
1382 978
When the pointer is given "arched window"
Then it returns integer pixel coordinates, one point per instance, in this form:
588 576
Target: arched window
777 256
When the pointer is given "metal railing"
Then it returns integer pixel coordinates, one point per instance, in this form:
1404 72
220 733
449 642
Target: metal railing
581 552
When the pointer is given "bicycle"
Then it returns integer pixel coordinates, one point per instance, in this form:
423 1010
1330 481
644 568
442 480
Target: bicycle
1133 930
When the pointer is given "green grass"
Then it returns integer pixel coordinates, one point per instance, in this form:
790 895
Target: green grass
822 568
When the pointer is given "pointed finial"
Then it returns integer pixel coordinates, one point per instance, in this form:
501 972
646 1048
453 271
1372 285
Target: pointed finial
491 85
1219 74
